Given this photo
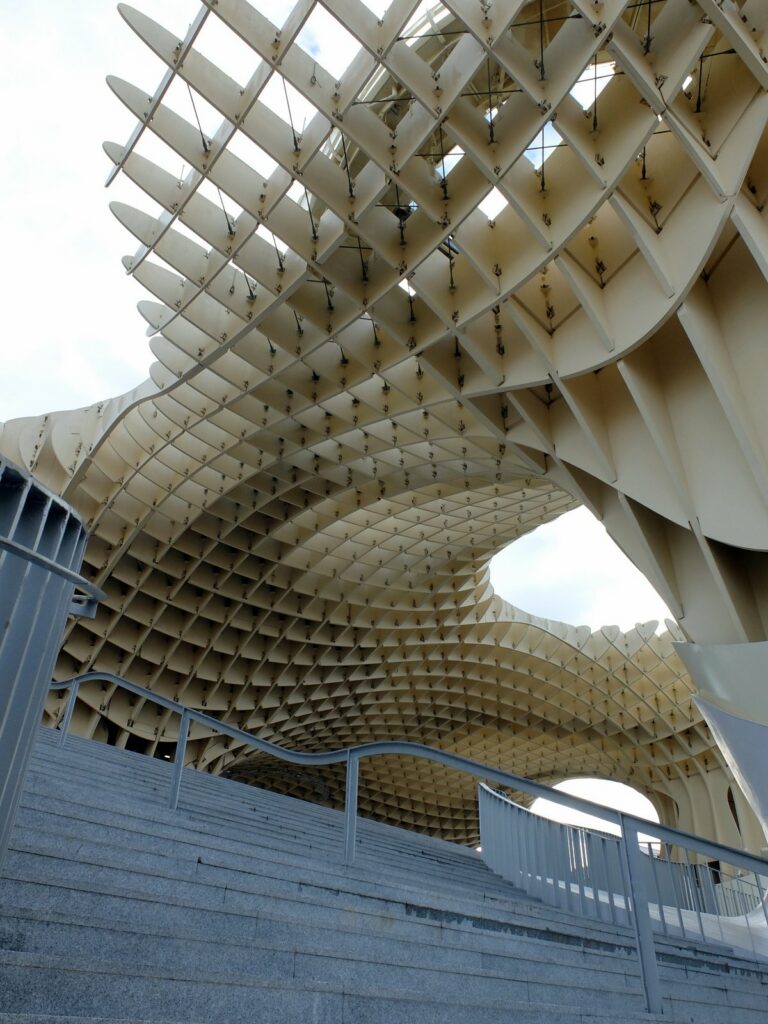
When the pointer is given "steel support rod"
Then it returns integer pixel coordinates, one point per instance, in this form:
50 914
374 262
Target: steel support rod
350 809
178 764
68 712
641 918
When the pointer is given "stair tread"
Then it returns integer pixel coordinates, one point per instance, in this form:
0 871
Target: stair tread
620 976
244 890
49 1018
200 977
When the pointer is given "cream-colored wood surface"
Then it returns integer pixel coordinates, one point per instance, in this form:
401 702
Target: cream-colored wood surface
364 388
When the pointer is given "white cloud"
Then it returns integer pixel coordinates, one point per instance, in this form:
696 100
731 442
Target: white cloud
71 331
599 791
571 570
326 39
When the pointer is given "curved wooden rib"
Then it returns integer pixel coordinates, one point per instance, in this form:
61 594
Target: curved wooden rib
364 387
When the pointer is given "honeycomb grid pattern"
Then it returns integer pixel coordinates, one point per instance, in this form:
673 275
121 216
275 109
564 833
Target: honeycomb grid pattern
366 384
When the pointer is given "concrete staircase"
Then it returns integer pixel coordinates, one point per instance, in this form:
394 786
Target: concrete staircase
237 907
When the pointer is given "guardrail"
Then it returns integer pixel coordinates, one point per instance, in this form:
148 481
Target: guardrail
42 541
83 604
631 878
629 854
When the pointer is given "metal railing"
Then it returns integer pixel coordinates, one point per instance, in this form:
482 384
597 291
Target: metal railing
668 882
42 541
627 901
84 602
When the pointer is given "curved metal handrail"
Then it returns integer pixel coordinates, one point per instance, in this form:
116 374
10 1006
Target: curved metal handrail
646 841
606 878
672 836
83 604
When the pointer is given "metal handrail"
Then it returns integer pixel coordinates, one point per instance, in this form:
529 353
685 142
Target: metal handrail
84 604
631 826
608 878
672 836
648 842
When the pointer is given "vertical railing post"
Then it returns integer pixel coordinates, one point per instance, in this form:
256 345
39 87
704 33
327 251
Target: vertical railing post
641 918
68 712
178 764
350 808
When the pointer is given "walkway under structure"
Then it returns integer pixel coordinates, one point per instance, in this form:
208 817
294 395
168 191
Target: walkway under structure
395 334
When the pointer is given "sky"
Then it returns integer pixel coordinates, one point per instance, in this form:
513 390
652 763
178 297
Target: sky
62 280
571 570
600 791
72 335
58 351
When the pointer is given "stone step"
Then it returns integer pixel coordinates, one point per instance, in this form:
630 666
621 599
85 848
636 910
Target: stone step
206 886
506 963
271 927
249 811
534 908
145 942
47 1018
180 828
325 820
60 802
153 993
132 949
492 883
39 830
241 898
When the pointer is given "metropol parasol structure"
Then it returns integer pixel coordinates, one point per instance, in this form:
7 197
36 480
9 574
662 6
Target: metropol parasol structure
454 301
